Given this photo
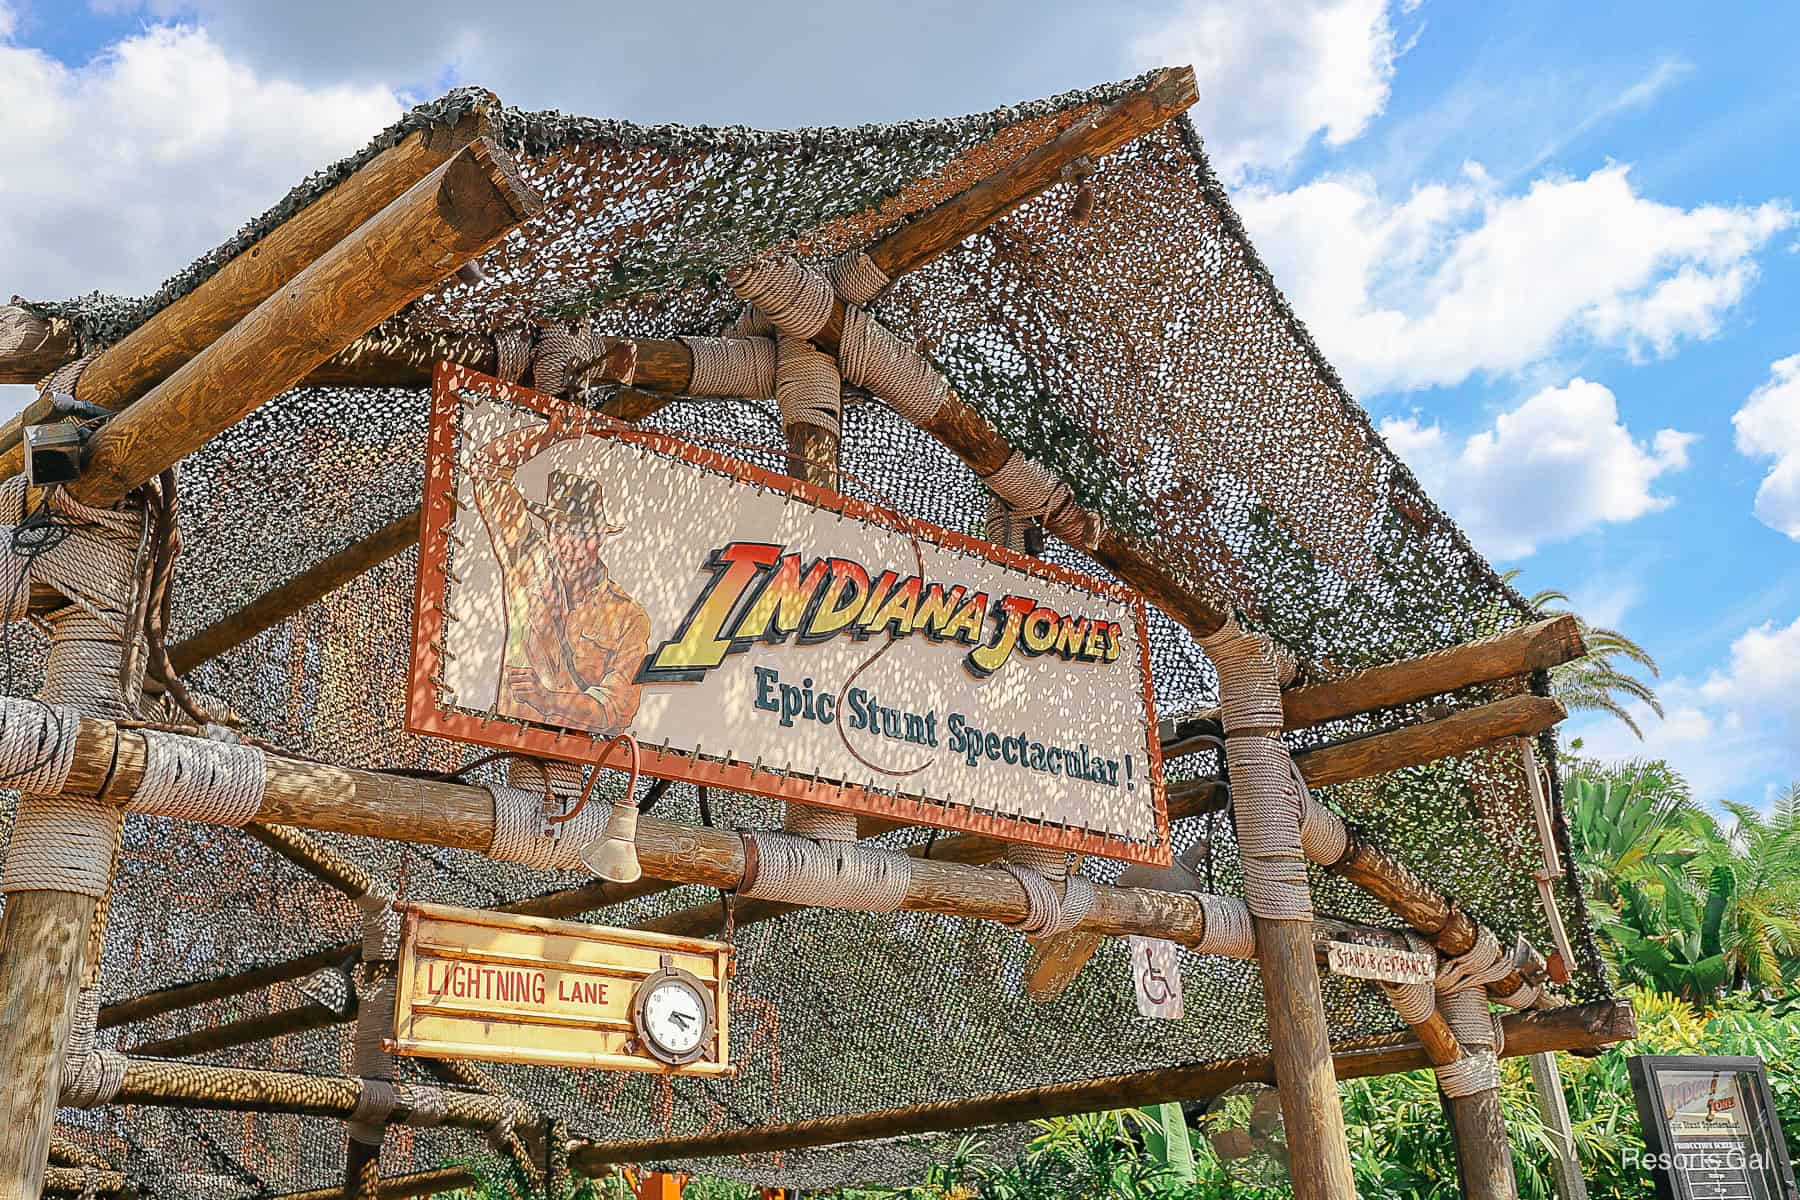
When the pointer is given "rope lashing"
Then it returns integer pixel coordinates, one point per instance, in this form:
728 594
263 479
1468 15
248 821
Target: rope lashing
423 1106
1002 526
381 927
1048 861
1031 489
1265 796
796 870
820 824
1414 1002
749 323
1529 964
856 278
1229 930
1471 971
516 1113
90 1076
808 390
732 366
62 381
1469 1075
198 779
512 354
795 299
1049 911
524 834
375 1103
875 359
1467 1013
61 844
1324 838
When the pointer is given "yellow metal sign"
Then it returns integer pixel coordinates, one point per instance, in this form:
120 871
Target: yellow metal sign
505 988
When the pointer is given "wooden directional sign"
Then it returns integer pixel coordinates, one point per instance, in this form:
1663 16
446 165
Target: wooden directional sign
504 988
579 579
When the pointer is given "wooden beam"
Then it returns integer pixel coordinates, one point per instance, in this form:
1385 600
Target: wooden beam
1163 96
1534 647
31 346
152 352
240 1089
1415 745
449 217
402 1187
1584 1027
299 1019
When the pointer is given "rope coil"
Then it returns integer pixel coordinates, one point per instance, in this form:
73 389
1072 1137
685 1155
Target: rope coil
875 359
808 389
524 833
794 298
1229 930
1050 912
198 779
1031 490
796 870
856 278
731 366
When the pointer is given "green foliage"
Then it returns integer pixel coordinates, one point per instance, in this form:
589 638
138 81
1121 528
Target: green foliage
1600 680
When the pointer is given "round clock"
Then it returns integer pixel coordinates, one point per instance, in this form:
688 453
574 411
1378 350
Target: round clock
673 1014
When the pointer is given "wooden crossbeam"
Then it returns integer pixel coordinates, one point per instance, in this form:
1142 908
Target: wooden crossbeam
241 1089
401 1187
449 217
1582 1027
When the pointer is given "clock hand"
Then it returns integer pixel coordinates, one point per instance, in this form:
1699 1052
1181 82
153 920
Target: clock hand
680 1019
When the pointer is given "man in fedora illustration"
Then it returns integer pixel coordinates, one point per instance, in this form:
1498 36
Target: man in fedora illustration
574 638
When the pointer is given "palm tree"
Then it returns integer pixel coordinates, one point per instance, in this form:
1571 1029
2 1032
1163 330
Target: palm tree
1600 680
1758 865
1625 820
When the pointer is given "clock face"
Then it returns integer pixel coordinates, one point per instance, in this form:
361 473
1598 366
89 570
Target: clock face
675 1018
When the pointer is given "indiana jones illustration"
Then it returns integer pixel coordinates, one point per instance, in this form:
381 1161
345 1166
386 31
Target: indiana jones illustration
574 638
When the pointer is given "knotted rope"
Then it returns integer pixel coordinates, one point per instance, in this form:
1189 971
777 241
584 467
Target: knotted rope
512 354
1229 930
856 278
523 832
732 366
1265 795
808 390
90 1076
795 299
875 359
1050 912
198 779
796 870
1030 489
820 824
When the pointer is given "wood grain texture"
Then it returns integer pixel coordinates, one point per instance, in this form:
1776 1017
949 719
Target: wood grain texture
1415 745
1585 1027
437 225
30 348
1535 647
401 1187
42 939
1483 1154
153 351
403 361
1300 1044
1163 96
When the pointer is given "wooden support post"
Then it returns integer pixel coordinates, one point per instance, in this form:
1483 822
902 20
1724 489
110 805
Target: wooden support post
1581 1027
440 223
1483 1152
1553 1106
42 939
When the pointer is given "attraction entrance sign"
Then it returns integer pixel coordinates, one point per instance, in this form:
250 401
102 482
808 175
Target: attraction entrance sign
580 579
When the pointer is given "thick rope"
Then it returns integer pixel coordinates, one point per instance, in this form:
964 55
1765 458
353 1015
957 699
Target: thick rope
523 834
794 298
1414 1002
1229 930
795 870
808 390
1051 863
856 278
1265 797
1467 1013
512 354
424 1106
381 927
198 779
1482 964
1031 489
820 824
62 381
375 1018
1003 526
90 1076
732 366
1324 839
748 323
1527 962
875 359
1049 911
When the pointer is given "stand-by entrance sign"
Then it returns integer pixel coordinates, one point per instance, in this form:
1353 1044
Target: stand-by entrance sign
579 579
503 988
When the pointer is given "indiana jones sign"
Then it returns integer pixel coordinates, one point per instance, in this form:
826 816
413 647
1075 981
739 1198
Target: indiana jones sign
580 579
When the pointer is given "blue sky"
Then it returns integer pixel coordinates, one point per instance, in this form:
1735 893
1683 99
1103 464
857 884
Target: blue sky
1552 247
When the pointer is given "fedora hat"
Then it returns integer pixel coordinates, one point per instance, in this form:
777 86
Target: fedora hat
577 499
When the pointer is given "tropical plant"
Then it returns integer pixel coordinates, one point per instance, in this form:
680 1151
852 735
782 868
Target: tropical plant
1601 679
1626 820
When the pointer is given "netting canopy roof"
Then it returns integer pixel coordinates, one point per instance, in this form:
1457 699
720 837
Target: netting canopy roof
1143 352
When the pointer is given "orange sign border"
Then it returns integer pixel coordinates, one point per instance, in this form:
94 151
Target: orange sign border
426 715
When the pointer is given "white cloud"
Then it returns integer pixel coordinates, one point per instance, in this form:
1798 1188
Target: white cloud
123 170
1733 733
1462 277
1769 426
1558 465
1271 77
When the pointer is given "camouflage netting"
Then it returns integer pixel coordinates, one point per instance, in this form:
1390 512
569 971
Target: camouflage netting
1145 354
